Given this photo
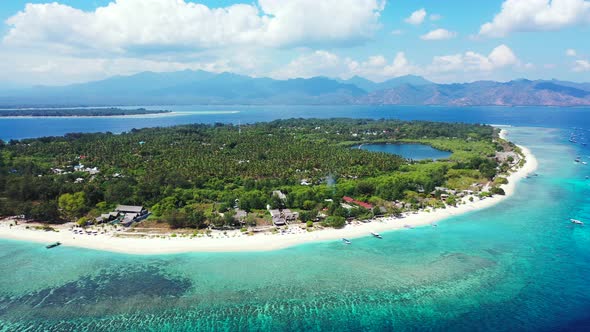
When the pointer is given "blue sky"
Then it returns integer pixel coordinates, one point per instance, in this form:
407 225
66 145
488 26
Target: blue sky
69 41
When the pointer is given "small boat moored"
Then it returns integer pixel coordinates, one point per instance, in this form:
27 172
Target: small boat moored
346 241
53 245
577 222
377 235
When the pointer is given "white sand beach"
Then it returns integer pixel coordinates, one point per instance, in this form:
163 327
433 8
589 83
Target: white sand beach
235 241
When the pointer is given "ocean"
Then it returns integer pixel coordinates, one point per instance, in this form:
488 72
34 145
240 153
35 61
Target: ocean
517 266
554 117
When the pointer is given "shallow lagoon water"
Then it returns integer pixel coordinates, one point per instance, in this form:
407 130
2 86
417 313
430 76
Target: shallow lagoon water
517 266
408 151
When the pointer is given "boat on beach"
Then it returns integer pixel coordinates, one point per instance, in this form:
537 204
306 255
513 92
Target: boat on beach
53 245
577 222
346 241
377 235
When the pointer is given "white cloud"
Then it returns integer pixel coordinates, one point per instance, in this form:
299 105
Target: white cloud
570 52
417 17
435 17
529 66
159 25
397 32
64 69
323 63
36 68
318 63
438 34
581 66
379 68
537 15
500 57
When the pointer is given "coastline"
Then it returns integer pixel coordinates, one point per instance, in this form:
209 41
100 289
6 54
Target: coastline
234 241
147 115
130 116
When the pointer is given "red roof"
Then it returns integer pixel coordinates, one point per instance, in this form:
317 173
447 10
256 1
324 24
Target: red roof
359 203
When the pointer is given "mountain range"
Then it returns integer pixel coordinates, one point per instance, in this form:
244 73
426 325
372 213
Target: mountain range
201 87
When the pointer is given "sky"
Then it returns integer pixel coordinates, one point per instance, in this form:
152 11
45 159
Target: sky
69 41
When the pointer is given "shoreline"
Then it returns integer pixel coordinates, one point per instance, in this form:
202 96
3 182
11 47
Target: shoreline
118 116
136 116
235 241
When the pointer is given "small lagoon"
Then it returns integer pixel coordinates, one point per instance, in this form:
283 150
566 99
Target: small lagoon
407 150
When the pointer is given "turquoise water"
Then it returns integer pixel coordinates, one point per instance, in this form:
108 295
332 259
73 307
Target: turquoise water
408 151
517 266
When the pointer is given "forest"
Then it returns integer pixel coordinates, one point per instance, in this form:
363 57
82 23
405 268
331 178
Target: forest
195 175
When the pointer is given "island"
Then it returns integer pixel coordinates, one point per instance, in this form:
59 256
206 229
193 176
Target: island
261 186
77 112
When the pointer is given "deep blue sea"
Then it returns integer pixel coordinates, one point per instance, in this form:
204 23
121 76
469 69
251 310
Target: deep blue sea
517 266
518 116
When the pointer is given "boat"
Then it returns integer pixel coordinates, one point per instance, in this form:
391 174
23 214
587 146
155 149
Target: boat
53 245
577 222
377 235
346 241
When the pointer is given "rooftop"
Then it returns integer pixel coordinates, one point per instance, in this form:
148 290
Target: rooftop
129 208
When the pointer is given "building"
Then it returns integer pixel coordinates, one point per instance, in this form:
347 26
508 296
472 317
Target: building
82 168
351 200
131 214
241 215
510 157
106 217
289 215
57 171
129 209
277 218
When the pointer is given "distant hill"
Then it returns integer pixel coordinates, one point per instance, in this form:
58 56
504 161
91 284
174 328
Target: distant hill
189 87
200 87
371 86
513 93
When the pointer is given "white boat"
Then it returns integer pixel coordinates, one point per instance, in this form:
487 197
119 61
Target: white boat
346 241
577 222
377 235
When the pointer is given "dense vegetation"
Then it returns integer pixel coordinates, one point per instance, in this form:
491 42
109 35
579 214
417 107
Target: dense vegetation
187 174
77 112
